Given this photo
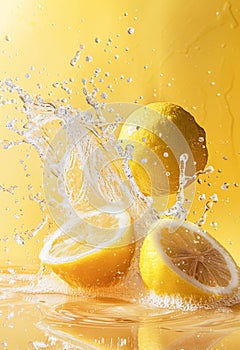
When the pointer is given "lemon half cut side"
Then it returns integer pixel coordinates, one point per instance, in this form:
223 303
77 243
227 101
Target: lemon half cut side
96 251
181 259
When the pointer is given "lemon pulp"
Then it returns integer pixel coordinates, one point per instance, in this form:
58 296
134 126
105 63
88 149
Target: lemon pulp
96 251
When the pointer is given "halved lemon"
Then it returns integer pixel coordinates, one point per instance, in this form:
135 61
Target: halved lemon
94 251
179 258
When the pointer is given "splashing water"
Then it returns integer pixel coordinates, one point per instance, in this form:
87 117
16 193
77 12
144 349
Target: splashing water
85 140
86 168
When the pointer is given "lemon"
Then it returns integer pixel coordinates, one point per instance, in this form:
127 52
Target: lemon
94 251
160 133
181 259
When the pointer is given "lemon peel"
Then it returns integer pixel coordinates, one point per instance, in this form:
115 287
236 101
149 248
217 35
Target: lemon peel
160 133
98 255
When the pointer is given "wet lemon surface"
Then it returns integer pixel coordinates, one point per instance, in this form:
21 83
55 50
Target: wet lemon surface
183 53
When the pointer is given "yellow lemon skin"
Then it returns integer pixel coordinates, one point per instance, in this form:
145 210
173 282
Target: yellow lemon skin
159 276
167 132
100 269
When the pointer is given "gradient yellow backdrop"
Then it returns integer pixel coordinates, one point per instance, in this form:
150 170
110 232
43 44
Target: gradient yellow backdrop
185 52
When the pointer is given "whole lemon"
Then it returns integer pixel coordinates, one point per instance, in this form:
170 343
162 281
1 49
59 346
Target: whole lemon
160 133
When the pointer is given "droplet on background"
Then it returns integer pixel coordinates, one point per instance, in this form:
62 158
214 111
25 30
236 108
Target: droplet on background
131 30
8 37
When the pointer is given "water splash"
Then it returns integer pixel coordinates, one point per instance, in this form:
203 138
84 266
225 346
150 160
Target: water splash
85 139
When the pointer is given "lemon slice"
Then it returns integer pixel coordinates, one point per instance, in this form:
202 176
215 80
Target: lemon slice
181 259
94 251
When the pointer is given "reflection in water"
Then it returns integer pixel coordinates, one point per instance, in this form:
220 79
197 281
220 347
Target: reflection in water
193 59
58 321
113 324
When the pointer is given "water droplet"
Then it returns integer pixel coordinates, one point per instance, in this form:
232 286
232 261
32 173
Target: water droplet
75 58
19 239
130 30
202 197
8 37
97 40
225 186
214 198
88 58
214 224
104 95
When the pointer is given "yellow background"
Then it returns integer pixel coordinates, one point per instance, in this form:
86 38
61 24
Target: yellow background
185 52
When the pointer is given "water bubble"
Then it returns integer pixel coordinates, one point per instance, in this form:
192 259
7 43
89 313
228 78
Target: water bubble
130 30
